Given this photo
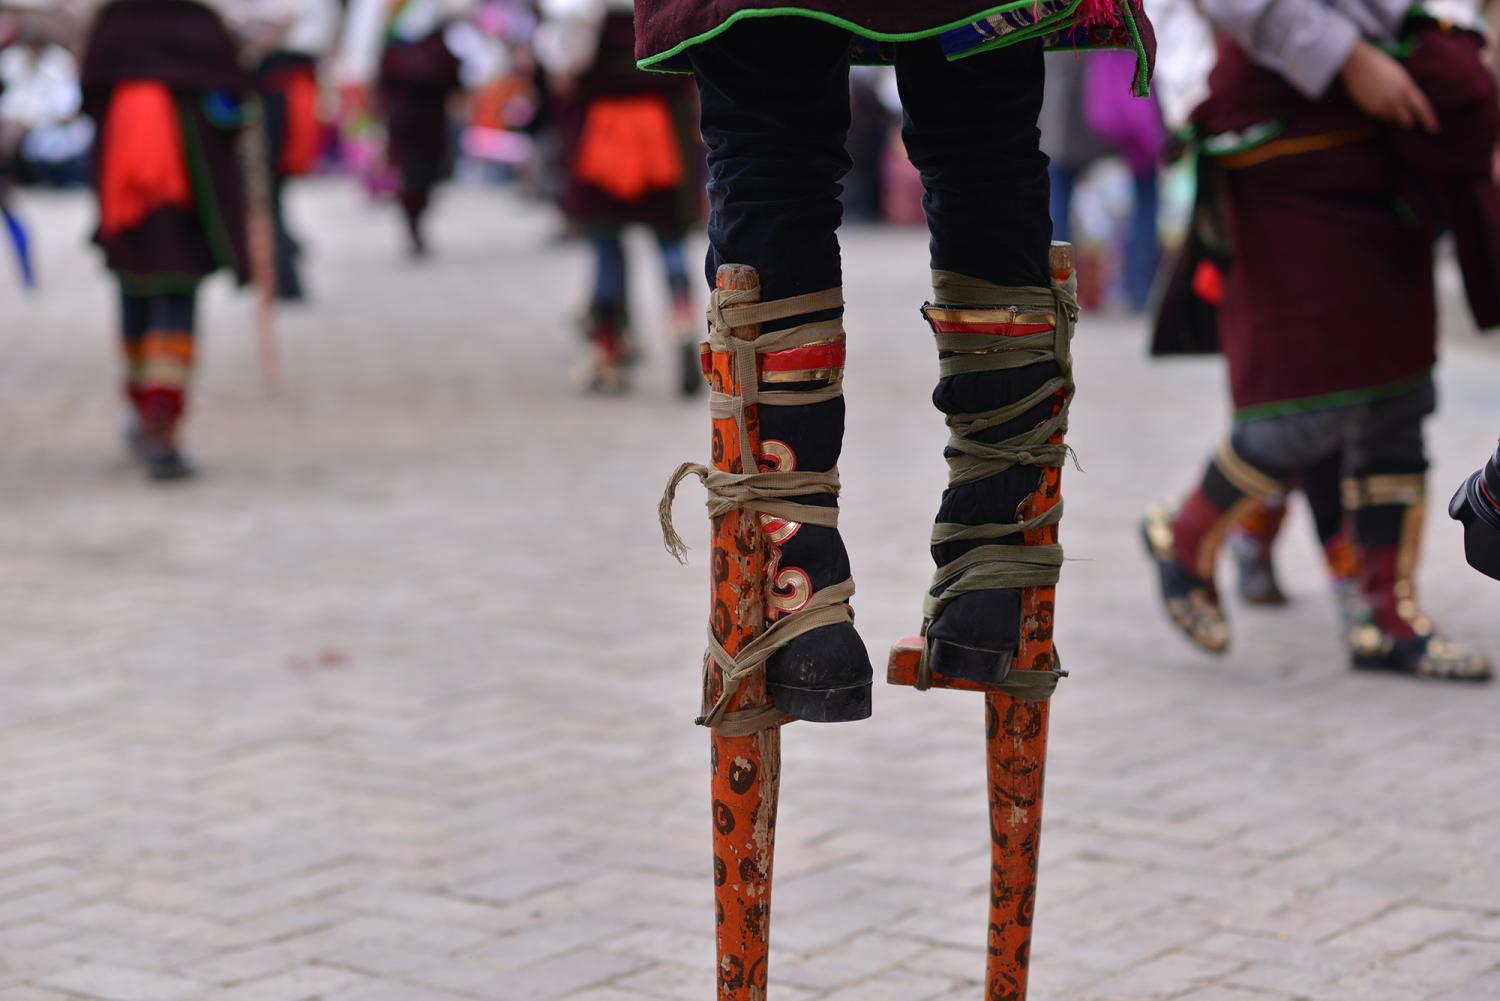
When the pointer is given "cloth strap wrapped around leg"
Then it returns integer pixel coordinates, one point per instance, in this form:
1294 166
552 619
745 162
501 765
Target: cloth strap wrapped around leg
768 493
1002 328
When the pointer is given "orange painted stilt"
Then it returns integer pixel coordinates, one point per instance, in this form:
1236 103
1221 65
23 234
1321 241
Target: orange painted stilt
746 770
1016 742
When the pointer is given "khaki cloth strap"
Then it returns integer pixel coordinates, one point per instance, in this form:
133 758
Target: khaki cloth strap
765 493
827 607
1000 565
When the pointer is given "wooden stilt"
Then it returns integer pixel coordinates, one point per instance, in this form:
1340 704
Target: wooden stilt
255 163
1016 745
746 770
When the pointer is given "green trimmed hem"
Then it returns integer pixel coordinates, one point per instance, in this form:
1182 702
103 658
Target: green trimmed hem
1142 86
165 283
652 62
1329 401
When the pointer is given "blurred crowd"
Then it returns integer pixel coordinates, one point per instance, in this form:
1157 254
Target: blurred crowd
543 95
190 118
540 94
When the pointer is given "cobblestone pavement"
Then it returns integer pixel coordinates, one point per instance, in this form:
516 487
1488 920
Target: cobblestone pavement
394 704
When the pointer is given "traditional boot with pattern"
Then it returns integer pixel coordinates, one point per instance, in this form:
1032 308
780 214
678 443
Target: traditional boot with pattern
1005 385
823 675
135 369
1387 512
605 368
816 666
1252 543
1185 545
167 361
1342 560
684 331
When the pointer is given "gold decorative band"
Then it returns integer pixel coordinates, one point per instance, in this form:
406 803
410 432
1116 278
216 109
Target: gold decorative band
1015 316
1245 477
1404 489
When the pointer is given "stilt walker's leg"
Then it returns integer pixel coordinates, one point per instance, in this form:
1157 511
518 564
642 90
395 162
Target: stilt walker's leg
1016 706
756 506
746 769
167 352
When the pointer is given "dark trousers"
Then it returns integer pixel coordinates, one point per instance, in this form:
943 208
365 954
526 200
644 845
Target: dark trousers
142 314
158 346
611 283
775 115
1383 436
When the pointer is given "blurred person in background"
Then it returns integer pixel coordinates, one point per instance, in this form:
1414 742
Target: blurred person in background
1340 164
629 156
1186 323
871 124
406 49
1088 114
287 81
44 138
166 81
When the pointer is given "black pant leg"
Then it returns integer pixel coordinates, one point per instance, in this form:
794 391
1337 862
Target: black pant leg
970 128
775 114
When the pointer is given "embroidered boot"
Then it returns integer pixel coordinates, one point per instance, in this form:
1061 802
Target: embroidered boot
1387 512
605 370
1185 545
1252 541
167 358
684 331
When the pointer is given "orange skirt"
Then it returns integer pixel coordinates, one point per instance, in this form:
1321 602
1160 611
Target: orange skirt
142 166
629 147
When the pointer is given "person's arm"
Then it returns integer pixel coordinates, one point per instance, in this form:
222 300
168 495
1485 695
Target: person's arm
1305 42
1309 44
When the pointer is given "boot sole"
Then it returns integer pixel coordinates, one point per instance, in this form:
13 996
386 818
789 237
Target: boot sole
823 705
1381 665
967 663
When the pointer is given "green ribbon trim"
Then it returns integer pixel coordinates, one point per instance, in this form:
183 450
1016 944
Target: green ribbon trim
1328 401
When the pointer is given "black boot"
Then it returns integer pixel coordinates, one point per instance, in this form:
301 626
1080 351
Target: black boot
815 665
685 328
1005 394
823 675
605 369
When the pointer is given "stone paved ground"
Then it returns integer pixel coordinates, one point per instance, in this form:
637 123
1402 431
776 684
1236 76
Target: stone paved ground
394 704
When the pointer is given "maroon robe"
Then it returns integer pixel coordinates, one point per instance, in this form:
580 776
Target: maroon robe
1329 297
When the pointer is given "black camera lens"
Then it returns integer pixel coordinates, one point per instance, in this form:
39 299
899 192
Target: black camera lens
1477 507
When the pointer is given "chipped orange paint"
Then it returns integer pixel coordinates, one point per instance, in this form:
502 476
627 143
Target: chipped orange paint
1016 745
746 770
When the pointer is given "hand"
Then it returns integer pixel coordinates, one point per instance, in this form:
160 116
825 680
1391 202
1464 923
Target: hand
1383 89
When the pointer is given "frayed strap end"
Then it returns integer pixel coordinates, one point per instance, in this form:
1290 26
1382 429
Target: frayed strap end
1103 13
669 537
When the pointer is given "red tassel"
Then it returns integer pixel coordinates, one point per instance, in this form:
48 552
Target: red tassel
1098 13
